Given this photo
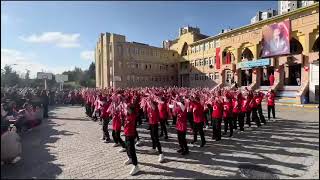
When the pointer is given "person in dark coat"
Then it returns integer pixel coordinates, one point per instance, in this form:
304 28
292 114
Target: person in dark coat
45 103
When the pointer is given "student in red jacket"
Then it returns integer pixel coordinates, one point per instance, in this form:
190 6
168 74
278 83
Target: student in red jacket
153 115
271 105
115 111
130 134
243 111
181 126
227 116
258 99
236 104
216 118
253 105
198 121
105 116
163 117
248 110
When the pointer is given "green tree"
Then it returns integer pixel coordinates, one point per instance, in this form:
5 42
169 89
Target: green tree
9 77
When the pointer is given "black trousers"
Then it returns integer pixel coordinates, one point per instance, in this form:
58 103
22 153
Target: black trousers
155 137
235 119
138 121
45 110
261 116
163 128
255 117
131 150
271 108
216 128
174 119
198 127
105 131
248 119
228 123
241 120
182 140
117 139
190 119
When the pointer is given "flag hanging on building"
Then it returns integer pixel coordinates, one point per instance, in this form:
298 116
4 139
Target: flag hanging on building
218 58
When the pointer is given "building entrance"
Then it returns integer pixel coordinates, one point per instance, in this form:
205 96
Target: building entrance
294 78
246 77
265 74
229 80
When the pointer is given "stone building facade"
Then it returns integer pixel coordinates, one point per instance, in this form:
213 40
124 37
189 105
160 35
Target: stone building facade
219 60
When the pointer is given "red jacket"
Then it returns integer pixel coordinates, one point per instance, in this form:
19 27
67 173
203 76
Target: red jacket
244 105
227 109
217 110
116 121
130 124
163 113
236 104
153 115
197 110
181 124
253 104
270 98
104 111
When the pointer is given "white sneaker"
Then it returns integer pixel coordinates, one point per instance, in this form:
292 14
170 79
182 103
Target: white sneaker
129 161
115 145
138 143
122 150
161 158
134 170
207 127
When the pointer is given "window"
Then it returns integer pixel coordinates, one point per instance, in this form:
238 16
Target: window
210 76
149 66
146 66
206 61
196 63
193 50
217 44
197 48
206 47
137 66
196 77
216 75
201 62
136 51
210 60
211 44
214 60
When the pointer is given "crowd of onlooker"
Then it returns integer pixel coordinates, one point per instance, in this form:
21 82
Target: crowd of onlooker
22 109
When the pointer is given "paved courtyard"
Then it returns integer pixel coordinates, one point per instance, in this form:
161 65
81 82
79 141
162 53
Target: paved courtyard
68 145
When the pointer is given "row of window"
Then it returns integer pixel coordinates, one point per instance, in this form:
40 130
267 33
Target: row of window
210 76
143 51
150 78
204 62
150 66
205 46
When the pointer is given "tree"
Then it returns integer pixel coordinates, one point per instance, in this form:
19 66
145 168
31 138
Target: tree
92 71
27 76
9 77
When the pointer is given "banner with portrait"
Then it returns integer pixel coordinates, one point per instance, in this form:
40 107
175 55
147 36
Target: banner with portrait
276 39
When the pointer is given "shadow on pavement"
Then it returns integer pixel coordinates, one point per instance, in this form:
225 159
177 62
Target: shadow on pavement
37 161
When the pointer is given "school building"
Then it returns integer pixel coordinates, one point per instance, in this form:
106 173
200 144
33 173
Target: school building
243 56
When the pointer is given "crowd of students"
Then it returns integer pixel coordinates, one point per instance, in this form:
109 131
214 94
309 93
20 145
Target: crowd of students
198 107
24 109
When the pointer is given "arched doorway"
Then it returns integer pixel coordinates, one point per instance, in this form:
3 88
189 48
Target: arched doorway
184 50
293 74
315 47
246 74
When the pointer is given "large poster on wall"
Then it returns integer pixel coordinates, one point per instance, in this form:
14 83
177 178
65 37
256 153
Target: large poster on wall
276 39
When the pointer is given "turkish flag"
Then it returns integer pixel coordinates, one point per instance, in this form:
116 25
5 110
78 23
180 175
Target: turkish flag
218 58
